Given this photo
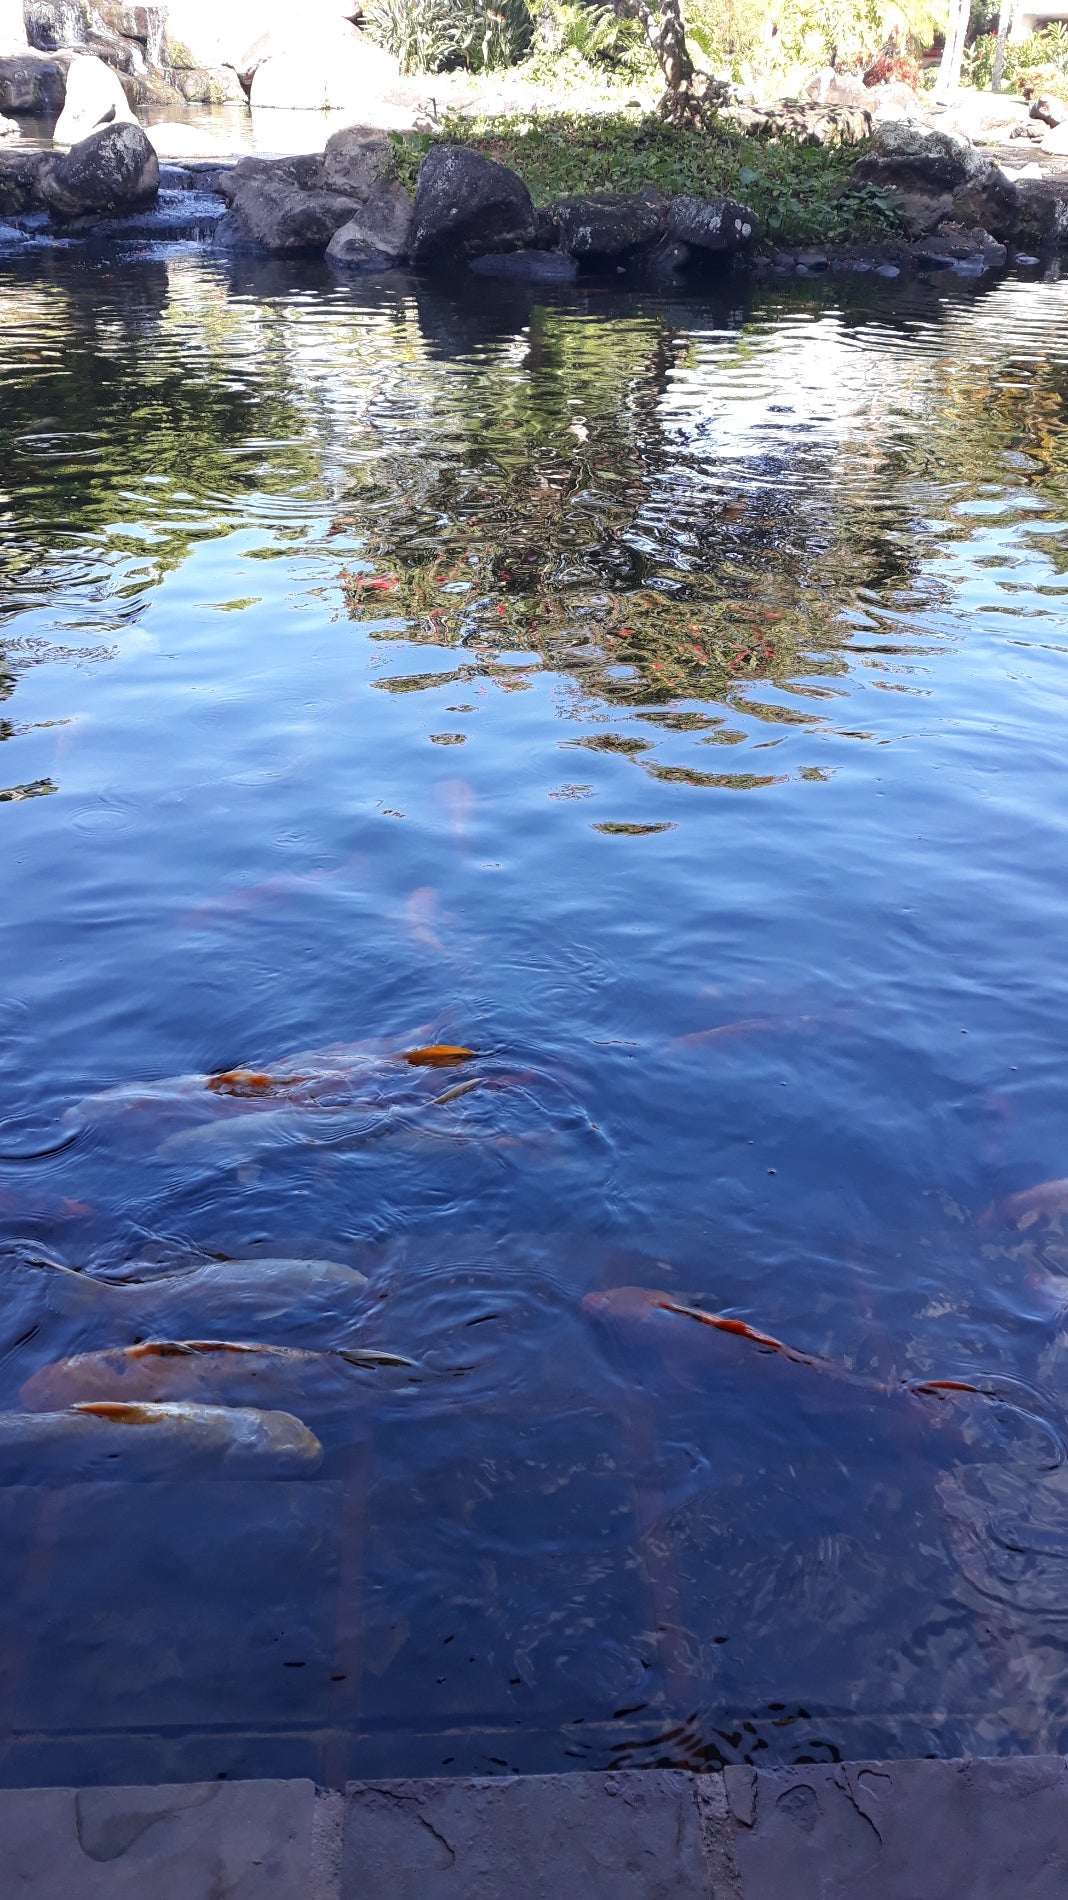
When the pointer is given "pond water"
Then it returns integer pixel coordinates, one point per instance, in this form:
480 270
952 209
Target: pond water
662 699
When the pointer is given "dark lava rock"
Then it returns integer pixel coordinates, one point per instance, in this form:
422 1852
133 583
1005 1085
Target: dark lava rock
607 223
712 224
937 175
273 215
1042 213
532 267
304 171
377 236
113 170
962 241
467 205
20 174
661 262
912 157
1050 109
989 200
32 86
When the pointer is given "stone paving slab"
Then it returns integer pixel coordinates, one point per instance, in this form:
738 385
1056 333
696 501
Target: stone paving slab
213 1840
627 1836
907 1830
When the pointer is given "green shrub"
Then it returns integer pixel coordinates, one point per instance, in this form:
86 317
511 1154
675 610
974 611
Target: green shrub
433 36
1048 48
595 34
800 193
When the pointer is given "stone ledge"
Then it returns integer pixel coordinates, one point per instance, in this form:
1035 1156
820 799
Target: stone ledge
907 1830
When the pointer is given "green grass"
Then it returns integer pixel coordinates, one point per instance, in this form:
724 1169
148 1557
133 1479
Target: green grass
801 193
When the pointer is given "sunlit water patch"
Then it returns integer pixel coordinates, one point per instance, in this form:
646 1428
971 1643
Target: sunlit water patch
505 799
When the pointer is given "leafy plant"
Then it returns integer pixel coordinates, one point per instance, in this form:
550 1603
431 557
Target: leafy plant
596 34
1047 48
774 46
422 34
435 35
889 66
801 193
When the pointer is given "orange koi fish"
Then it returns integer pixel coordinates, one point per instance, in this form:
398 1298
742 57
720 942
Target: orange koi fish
1048 1201
210 1371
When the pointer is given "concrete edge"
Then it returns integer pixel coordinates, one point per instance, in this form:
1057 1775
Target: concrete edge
906 1830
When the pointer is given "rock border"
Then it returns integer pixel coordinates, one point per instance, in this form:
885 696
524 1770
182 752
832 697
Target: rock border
905 1830
960 212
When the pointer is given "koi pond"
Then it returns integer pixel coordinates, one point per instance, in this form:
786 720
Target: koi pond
531 825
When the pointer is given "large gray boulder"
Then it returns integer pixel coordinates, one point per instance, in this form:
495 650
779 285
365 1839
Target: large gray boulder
304 171
32 86
94 99
270 212
218 32
334 68
1042 218
937 175
114 170
466 205
912 157
604 223
357 160
712 224
379 234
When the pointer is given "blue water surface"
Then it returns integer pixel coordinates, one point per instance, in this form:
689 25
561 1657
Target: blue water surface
664 699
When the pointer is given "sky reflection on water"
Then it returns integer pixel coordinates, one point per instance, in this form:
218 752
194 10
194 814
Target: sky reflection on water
664 700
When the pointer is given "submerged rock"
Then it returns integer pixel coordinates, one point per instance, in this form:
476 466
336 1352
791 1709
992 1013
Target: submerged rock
114 170
532 267
467 205
956 240
94 99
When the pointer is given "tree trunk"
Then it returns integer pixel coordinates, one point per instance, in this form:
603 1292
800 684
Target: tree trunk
953 52
666 33
1005 18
